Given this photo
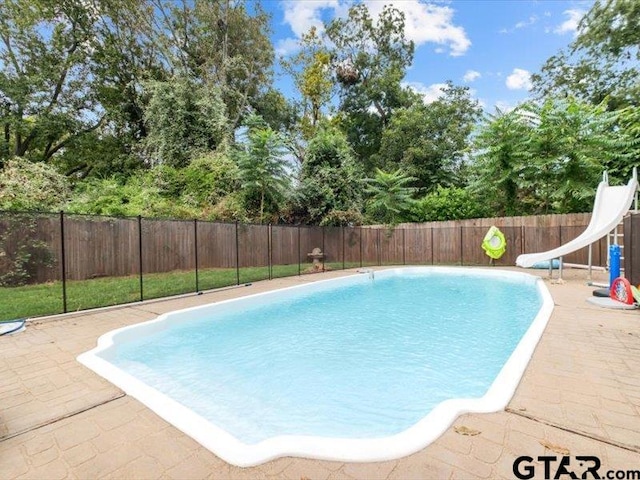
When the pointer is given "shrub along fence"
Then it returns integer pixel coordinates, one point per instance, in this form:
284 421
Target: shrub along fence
54 263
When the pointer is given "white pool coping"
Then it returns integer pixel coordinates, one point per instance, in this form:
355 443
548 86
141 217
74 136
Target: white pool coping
415 438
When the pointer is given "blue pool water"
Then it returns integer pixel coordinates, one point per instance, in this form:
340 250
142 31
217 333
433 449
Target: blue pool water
367 359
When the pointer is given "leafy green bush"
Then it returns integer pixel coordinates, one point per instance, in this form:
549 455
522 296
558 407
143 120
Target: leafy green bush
29 186
449 203
110 197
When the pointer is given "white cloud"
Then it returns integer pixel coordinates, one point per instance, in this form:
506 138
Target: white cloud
429 93
425 22
570 25
471 75
287 46
521 24
301 16
519 79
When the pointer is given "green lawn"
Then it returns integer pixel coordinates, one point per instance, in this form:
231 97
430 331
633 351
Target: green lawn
46 299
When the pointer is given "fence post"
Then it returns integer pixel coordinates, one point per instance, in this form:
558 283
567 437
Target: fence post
63 262
323 250
360 247
269 246
140 255
299 253
461 246
378 246
237 256
342 228
195 241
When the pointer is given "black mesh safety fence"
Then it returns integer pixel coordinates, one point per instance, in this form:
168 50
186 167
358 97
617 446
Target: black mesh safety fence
53 263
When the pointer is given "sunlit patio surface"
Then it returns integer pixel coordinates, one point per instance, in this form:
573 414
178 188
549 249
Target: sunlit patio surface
580 396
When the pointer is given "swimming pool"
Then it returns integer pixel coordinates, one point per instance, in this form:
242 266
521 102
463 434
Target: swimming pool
358 368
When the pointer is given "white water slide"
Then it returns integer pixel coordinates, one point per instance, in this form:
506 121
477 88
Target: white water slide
612 203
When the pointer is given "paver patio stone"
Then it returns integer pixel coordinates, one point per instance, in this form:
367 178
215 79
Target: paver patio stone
79 454
45 456
56 470
13 463
310 469
76 433
464 462
371 471
190 468
486 450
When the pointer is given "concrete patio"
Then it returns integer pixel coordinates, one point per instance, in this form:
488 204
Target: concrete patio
580 396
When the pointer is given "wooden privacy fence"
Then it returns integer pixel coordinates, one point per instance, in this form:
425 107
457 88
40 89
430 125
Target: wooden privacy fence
84 247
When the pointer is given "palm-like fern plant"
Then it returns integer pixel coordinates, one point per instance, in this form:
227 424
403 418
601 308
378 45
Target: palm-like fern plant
390 197
263 174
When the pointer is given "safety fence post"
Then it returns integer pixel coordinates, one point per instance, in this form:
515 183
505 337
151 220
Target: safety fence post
269 251
299 253
195 242
342 228
461 246
323 250
140 256
237 256
360 247
63 263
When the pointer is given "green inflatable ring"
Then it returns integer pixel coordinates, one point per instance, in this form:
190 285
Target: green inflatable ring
494 243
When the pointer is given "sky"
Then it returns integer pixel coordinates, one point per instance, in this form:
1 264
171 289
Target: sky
491 46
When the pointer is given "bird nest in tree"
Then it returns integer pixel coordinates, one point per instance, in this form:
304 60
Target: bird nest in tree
347 73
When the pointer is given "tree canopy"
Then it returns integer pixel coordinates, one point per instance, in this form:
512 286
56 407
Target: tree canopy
170 108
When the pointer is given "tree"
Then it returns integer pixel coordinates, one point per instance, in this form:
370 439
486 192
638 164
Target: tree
311 70
602 62
626 154
129 52
545 158
184 118
565 155
429 141
72 86
278 112
223 45
263 176
499 155
389 197
46 99
330 185
372 57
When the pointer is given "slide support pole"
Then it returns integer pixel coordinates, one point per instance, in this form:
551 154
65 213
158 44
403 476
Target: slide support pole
559 268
